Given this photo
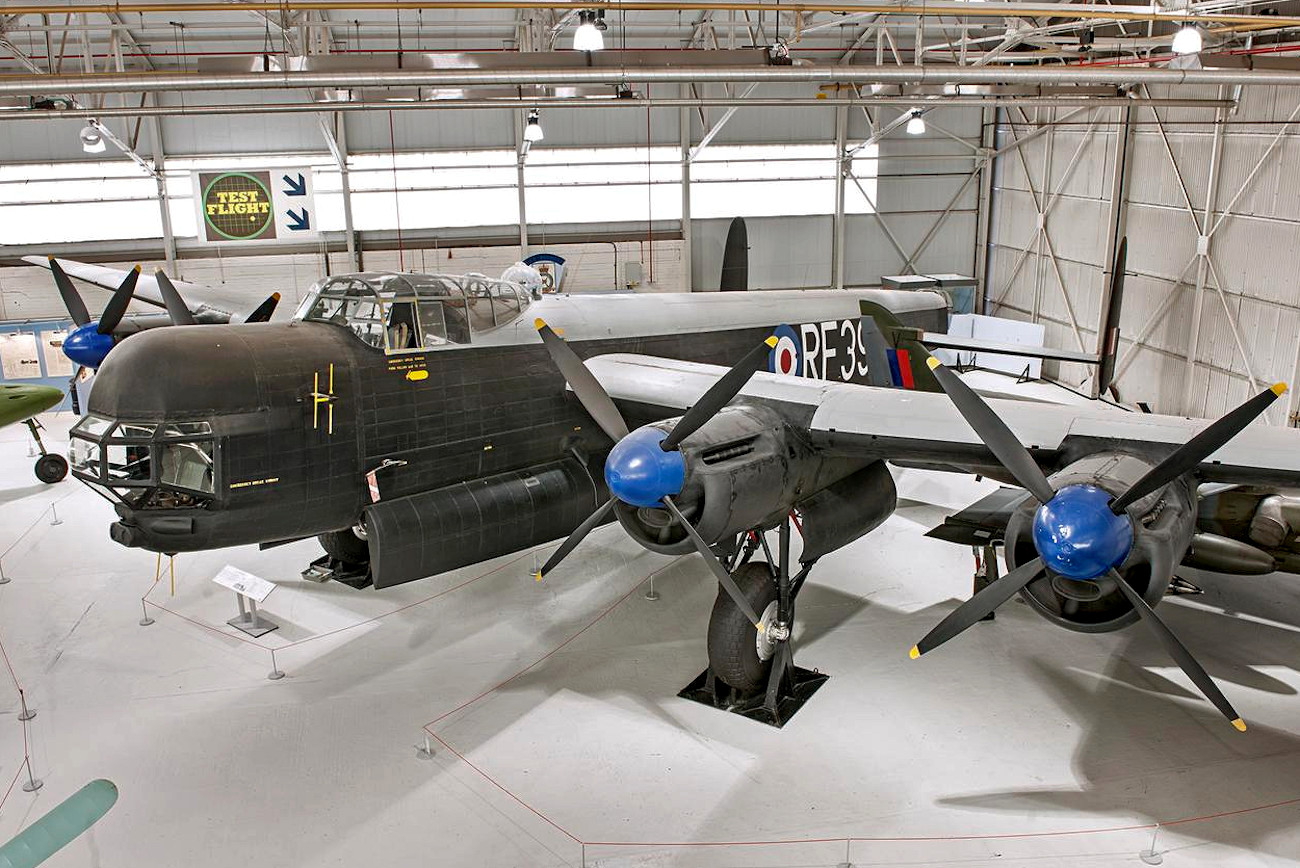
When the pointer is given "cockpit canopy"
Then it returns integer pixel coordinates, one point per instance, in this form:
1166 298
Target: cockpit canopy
414 312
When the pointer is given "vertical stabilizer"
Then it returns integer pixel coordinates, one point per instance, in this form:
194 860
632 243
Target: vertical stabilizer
735 258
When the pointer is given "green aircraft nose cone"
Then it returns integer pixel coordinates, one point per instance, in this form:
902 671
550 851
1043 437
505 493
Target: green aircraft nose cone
23 402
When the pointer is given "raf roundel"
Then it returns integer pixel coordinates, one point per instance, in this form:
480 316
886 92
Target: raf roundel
787 356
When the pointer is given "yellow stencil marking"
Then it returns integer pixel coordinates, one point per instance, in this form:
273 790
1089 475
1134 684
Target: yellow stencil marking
326 398
415 376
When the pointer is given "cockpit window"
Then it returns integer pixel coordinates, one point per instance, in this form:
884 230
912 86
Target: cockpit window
187 465
415 312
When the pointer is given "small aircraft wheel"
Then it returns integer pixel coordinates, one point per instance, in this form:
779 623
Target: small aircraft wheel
739 654
51 468
346 546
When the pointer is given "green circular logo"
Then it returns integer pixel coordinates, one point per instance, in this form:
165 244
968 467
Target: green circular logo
237 206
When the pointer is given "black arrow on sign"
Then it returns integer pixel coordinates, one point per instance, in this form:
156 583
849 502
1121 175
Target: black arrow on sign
299 222
295 188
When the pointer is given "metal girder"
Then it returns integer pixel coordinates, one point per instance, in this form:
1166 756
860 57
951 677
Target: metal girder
104 131
719 124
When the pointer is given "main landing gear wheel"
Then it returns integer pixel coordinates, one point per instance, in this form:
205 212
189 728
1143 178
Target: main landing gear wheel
738 654
51 468
346 546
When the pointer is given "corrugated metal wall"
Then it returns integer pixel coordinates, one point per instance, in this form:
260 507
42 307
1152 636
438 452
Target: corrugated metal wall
1254 252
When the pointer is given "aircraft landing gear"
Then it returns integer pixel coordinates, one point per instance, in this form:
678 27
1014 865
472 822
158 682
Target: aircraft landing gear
346 560
51 467
752 672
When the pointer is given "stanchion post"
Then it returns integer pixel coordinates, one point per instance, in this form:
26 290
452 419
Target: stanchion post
426 752
55 521
27 713
33 783
4 580
848 854
651 594
275 674
1152 856
146 620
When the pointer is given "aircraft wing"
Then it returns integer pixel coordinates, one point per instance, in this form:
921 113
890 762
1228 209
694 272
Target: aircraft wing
146 289
924 429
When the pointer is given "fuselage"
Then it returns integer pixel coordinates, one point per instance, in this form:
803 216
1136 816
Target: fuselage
229 435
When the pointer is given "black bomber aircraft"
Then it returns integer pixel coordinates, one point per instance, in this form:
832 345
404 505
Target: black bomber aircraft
417 423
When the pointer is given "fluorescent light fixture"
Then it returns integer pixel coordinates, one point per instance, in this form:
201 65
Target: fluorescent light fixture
588 36
533 132
1188 40
91 141
916 123
877 87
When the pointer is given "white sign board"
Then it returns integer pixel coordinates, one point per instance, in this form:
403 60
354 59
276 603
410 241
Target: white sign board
18 359
261 206
56 363
244 584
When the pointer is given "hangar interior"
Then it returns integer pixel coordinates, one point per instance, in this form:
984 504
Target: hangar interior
480 717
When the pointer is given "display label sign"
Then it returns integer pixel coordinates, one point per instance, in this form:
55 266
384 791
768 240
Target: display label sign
18 358
244 583
257 206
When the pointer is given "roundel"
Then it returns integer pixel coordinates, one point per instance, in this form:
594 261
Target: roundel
787 356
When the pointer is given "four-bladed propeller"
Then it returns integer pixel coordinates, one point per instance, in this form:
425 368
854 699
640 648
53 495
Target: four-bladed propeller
645 468
91 341
1081 532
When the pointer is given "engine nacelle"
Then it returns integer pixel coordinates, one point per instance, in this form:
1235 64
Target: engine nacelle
745 468
1163 527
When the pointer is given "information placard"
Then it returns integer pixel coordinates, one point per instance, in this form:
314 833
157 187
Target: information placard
244 583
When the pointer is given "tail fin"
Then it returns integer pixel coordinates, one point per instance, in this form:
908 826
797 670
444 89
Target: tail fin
907 361
735 258
1110 326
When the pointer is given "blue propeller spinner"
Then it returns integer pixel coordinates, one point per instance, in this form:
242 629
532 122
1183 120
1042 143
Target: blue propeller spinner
640 472
86 346
1078 536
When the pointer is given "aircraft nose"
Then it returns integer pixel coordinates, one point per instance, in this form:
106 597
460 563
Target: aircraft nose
23 401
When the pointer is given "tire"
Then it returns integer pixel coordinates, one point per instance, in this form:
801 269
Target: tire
51 468
733 652
345 546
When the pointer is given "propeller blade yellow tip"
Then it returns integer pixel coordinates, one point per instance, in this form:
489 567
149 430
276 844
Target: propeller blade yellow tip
137 268
537 576
932 362
771 342
1278 388
539 323
759 626
1239 724
275 295
915 652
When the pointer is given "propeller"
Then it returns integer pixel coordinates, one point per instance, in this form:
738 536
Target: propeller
118 304
645 468
177 309
71 298
262 313
1082 532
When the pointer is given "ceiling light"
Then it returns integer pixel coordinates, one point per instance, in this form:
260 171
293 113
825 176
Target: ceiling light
91 141
916 123
877 87
533 132
588 37
1187 40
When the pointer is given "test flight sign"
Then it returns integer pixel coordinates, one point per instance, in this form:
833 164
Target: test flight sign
259 206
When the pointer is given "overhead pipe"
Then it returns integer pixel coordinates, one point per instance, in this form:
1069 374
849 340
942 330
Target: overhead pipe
578 102
21 85
937 9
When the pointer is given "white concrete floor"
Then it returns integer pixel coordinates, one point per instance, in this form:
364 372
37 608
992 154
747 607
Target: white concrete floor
1016 745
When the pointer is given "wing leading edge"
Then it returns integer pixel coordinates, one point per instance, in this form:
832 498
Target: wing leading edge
925 429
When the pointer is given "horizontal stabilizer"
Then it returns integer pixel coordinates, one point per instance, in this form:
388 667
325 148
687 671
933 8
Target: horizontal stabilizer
950 342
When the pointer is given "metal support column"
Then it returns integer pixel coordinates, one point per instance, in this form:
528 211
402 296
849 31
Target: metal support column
837 228
164 207
1203 259
341 139
521 154
684 125
984 208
